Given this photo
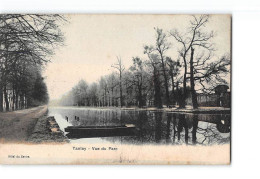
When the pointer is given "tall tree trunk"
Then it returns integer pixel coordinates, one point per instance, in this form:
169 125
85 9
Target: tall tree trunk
6 99
165 82
157 90
26 102
104 99
1 99
14 98
112 96
184 92
121 90
173 96
140 96
177 96
22 101
192 84
166 90
16 101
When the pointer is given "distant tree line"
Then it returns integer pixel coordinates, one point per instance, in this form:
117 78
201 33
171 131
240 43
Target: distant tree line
159 79
26 42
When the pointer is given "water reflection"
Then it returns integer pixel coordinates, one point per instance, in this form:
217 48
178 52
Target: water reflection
151 127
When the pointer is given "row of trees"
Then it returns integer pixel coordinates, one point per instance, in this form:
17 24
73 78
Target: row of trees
158 79
26 42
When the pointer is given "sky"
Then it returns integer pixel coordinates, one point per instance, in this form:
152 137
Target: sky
93 42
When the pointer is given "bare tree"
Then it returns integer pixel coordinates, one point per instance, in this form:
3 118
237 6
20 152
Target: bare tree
174 70
210 72
112 84
161 47
120 67
103 89
139 79
194 37
80 92
154 63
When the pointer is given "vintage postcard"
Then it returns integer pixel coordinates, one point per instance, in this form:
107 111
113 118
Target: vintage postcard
115 89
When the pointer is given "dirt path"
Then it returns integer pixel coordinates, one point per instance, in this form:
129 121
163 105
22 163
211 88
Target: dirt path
16 126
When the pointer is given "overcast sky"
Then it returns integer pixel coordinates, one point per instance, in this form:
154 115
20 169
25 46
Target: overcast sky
92 43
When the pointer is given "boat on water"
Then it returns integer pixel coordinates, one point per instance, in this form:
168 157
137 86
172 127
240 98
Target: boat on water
99 131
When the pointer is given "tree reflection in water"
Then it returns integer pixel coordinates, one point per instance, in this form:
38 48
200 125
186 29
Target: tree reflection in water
156 127
174 128
195 129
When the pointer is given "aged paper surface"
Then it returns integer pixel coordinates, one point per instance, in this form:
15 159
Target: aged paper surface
115 89
124 154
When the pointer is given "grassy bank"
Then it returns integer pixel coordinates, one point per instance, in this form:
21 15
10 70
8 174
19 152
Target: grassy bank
47 130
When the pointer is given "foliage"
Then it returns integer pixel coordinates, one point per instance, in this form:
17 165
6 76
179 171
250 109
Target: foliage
26 43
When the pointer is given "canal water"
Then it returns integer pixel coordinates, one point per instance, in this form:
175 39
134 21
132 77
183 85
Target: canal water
151 127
